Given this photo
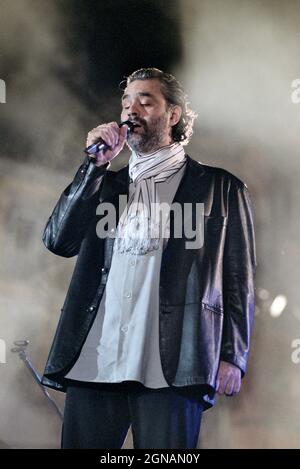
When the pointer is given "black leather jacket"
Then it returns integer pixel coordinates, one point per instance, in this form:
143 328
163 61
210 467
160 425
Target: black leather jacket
206 294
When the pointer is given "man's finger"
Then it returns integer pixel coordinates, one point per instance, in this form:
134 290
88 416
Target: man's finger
237 386
121 137
229 388
123 132
222 386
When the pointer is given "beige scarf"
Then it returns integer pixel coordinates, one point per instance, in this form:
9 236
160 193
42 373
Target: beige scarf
139 228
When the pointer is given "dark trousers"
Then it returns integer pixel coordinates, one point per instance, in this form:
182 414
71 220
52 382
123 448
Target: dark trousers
99 416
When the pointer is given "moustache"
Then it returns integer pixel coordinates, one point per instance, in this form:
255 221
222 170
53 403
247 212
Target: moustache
139 122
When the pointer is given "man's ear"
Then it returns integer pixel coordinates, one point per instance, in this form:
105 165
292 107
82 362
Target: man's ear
175 115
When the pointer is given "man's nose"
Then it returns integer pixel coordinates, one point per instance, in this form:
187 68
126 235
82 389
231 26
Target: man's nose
133 110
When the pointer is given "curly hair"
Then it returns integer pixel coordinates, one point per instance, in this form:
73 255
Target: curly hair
173 93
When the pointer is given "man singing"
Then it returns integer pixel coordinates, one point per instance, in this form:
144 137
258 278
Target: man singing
152 325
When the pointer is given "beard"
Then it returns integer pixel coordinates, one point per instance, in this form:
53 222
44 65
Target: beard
152 137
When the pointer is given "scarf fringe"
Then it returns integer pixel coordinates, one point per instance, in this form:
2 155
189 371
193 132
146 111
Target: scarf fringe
139 229
139 235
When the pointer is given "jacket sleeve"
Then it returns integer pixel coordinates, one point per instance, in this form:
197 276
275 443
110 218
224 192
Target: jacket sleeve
238 278
67 225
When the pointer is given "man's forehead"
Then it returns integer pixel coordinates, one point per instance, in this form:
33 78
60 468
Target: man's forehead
143 87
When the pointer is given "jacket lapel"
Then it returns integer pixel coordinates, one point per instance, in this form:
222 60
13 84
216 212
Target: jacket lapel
190 185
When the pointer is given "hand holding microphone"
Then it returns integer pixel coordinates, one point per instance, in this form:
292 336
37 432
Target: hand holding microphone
106 141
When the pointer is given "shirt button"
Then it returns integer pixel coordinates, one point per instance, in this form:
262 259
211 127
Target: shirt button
128 295
124 328
112 230
132 262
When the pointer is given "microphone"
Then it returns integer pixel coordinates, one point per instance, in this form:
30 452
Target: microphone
101 145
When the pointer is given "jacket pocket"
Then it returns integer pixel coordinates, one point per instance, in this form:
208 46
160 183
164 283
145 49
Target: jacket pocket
214 308
210 339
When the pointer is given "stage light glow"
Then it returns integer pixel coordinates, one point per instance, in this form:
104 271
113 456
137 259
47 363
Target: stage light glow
263 294
278 305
